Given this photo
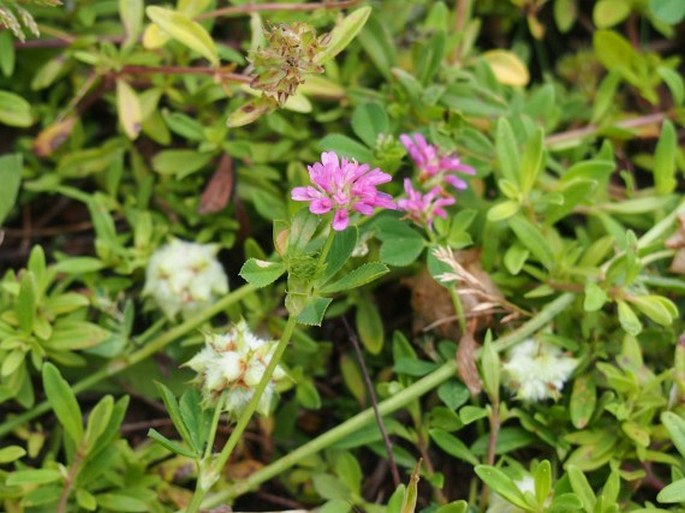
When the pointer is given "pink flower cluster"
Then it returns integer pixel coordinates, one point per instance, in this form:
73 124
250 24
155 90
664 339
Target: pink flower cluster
343 186
435 167
422 208
435 170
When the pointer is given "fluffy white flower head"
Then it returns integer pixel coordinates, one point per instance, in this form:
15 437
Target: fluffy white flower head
235 362
537 370
184 277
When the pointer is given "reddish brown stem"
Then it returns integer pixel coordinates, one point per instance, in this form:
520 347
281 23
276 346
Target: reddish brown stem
239 10
186 70
579 133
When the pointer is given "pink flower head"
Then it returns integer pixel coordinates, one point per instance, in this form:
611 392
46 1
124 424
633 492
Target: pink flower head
422 208
343 186
433 164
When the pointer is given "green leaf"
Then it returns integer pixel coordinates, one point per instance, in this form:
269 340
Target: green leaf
629 321
37 476
565 503
674 492
63 402
10 178
379 44
664 159
613 51
307 395
491 369
365 273
401 244
503 210
98 420
411 494
507 151
675 425
657 308
128 109
369 325
674 81
86 500
342 247
515 257
336 506
180 163
330 487
608 13
8 54
670 12
171 445
582 488
452 446
185 31
565 14
595 297
14 110
131 13
501 484
348 470
121 503
352 377
313 312
343 34
175 414
11 453
532 238
583 400
453 393
532 161
346 147
195 418
543 482
369 120
27 302
261 272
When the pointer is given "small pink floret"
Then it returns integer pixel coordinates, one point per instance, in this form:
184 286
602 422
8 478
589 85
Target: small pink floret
435 167
422 208
341 185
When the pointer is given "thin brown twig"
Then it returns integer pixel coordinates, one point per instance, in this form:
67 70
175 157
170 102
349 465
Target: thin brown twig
240 10
186 70
374 403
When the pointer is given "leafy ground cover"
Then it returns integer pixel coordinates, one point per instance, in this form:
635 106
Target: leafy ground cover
343 255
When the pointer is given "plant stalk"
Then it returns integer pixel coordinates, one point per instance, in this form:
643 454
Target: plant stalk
209 471
390 405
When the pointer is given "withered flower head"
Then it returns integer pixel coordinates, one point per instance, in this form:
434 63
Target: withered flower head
287 56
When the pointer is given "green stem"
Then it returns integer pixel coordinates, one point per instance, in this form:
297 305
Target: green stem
124 362
390 405
252 405
326 247
459 309
210 472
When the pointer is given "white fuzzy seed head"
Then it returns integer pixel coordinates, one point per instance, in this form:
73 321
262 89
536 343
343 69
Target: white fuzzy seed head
537 370
184 277
235 362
